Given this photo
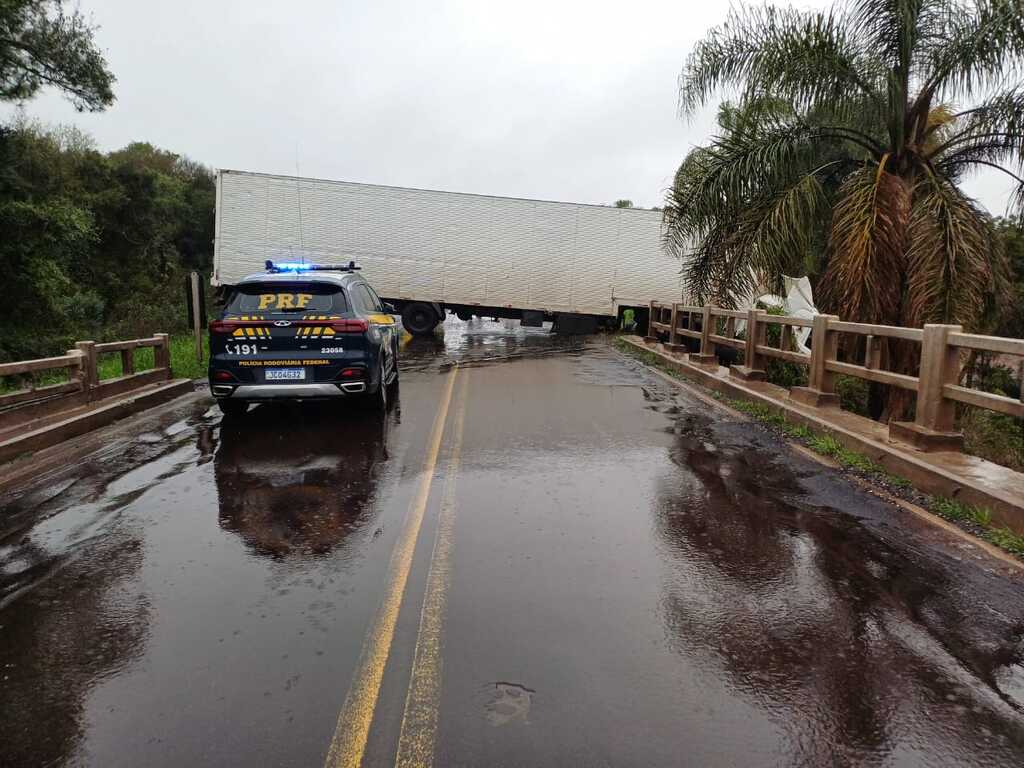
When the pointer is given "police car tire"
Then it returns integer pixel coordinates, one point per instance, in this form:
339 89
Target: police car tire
232 407
379 399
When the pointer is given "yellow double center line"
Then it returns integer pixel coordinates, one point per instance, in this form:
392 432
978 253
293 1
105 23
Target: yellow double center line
419 723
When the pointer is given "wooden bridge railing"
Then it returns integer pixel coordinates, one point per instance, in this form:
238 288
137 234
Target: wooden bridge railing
83 385
936 386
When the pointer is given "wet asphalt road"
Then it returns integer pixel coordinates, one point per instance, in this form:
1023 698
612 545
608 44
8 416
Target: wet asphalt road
592 567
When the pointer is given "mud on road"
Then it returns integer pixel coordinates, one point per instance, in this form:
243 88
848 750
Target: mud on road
608 571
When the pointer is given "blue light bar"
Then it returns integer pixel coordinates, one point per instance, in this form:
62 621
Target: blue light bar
288 266
301 266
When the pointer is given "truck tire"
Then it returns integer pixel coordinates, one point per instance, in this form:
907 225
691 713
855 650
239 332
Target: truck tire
420 318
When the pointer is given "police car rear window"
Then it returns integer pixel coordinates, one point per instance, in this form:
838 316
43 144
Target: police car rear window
287 298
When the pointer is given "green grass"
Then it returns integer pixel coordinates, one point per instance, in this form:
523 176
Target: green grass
183 359
951 509
958 511
1006 539
183 365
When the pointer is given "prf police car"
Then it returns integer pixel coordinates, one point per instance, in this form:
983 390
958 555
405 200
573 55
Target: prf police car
303 332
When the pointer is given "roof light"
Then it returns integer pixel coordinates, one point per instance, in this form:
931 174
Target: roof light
301 266
287 266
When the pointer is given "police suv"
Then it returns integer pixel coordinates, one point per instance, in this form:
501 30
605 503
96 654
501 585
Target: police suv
303 332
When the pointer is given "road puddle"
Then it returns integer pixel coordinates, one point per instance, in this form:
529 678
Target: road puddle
482 342
509 702
292 482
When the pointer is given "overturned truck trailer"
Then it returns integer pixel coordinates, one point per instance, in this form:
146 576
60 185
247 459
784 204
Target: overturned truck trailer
429 252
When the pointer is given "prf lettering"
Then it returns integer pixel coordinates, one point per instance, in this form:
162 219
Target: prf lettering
284 300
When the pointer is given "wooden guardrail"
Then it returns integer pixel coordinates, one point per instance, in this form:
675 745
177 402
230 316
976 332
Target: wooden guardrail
936 386
83 386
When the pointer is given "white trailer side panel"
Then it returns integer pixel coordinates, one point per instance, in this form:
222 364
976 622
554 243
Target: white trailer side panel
447 247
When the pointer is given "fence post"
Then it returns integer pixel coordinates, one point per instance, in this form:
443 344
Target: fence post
650 338
821 389
673 329
90 375
752 368
128 361
162 353
79 374
933 428
707 354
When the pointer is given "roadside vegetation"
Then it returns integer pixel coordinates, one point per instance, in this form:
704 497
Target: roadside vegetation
183 359
841 155
95 245
98 243
975 520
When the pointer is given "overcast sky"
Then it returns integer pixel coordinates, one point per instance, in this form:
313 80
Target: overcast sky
550 99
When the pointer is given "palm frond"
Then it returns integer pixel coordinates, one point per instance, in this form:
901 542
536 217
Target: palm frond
993 131
866 246
981 47
748 242
801 58
954 256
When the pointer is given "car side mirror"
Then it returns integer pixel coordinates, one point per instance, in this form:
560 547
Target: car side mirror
389 308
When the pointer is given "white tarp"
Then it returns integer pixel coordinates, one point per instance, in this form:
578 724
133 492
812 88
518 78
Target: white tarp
798 302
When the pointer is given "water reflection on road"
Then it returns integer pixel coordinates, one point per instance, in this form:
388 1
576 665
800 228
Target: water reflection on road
295 481
855 647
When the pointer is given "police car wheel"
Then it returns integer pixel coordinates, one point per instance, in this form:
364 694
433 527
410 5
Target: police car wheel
394 369
379 399
232 407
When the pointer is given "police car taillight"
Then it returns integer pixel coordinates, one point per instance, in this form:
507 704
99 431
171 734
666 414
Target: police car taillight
349 326
224 326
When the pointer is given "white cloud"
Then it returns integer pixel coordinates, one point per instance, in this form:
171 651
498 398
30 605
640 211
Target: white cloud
555 100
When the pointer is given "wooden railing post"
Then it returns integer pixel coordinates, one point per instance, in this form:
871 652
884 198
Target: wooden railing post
753 366
707 354
79 375
820 390
673 329
162 353
128 361
940 365
934 422
90 373
651 338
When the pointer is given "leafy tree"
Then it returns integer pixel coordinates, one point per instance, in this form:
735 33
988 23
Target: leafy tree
99 242
42 43
623 203
854 160
1010 318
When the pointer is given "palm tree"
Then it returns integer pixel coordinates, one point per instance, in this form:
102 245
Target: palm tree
852 130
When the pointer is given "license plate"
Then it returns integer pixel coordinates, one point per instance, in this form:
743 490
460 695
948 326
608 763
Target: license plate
285 374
